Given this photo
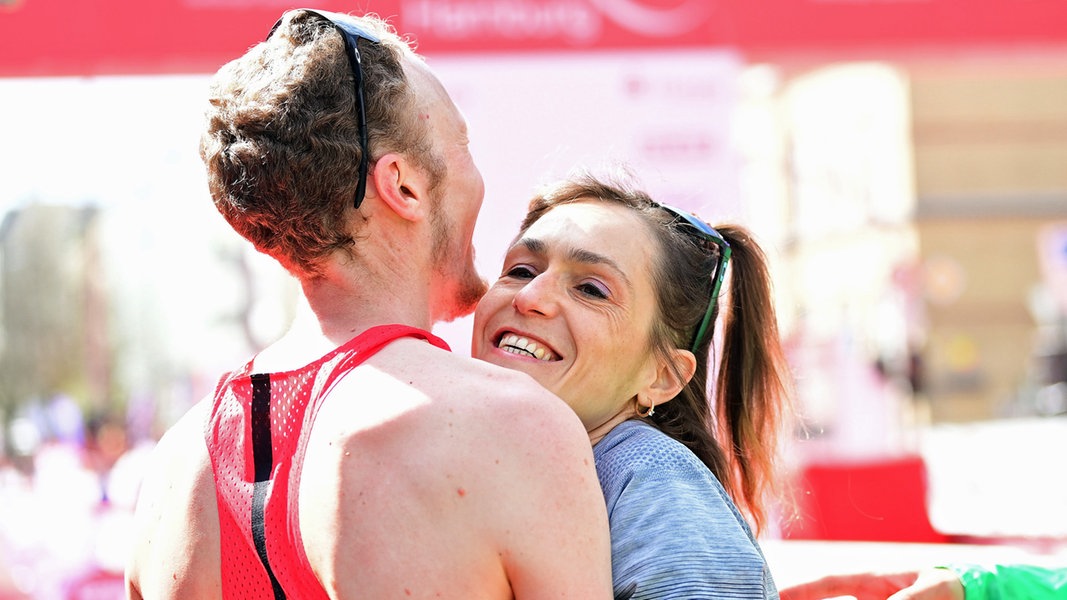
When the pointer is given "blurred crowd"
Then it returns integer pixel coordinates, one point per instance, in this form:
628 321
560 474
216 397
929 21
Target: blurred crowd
67 488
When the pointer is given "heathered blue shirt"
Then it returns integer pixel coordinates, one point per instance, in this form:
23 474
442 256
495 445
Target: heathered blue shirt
675 533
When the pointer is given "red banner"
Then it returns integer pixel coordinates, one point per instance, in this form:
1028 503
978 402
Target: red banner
58 37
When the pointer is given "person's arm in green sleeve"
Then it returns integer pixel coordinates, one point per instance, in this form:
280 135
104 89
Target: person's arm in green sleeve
1011 581
952 582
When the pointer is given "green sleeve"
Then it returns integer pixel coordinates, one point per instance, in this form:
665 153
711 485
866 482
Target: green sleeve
1003 582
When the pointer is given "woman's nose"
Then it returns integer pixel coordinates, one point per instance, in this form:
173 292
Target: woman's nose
538 297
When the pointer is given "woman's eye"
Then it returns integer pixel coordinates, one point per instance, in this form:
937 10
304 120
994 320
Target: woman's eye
520 272
593 289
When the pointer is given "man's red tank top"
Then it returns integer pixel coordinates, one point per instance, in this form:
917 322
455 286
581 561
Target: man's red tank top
257 438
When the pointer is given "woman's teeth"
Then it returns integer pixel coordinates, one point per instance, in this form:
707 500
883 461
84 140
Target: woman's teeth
525 347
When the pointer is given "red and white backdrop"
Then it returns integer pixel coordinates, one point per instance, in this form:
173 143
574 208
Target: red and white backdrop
54 37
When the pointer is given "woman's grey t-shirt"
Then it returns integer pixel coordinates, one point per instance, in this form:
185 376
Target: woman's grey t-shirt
675 533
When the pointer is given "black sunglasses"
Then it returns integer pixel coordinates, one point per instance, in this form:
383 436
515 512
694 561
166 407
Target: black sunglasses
352 33
693 225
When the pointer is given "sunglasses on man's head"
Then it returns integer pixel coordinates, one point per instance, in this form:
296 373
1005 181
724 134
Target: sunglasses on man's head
351 32
694 226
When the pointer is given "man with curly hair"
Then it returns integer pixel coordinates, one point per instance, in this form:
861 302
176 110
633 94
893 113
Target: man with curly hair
357 457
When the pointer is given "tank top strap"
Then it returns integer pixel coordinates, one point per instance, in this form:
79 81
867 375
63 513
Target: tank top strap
373 339
365 345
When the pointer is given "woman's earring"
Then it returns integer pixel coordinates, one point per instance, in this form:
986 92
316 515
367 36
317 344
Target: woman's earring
651 411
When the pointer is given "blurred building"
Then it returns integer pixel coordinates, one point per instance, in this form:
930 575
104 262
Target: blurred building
53 309
963 294
990 138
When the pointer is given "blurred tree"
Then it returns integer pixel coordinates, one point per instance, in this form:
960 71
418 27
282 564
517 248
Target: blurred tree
43 304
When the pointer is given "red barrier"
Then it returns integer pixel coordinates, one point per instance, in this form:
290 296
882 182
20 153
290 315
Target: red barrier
871 500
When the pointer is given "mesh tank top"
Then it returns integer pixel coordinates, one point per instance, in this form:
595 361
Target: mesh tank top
257 437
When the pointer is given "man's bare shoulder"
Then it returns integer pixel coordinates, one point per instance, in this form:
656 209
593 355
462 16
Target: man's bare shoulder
490 396
176 524
473 477
453 414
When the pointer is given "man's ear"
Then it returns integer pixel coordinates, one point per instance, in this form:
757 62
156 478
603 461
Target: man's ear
670 377
401 186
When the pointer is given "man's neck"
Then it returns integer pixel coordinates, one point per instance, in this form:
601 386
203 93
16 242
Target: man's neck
386 281
337 307
340 310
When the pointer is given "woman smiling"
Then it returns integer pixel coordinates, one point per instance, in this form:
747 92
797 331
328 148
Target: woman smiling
611 300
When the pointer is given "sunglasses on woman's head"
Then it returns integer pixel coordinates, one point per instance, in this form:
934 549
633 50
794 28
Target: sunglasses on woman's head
351 32
696 227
